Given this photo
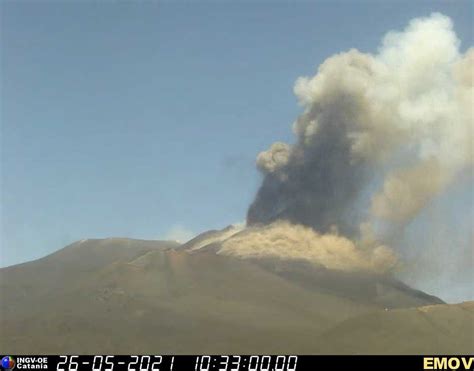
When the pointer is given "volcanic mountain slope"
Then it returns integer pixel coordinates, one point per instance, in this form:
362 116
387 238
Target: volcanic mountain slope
130 296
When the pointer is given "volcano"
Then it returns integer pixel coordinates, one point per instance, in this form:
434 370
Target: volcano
120 295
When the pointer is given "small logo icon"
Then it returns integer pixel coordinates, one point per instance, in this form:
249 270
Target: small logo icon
8 363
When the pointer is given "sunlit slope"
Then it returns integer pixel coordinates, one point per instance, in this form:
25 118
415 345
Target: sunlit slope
126 296
447 329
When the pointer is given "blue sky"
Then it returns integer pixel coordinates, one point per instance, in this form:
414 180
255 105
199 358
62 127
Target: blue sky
143 119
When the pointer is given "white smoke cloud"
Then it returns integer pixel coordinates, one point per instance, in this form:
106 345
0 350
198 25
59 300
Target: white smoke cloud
414 97
406 111
406 191
403 114
179 234
296 242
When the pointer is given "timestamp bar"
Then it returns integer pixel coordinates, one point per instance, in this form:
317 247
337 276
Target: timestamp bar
233 362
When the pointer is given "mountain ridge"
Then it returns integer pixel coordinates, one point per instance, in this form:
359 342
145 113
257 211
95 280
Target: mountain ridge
122 295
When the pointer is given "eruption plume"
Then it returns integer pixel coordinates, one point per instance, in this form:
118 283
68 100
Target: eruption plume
379 138
404 115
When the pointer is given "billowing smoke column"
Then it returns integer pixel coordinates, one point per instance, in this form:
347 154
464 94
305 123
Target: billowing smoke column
403 116
379 138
